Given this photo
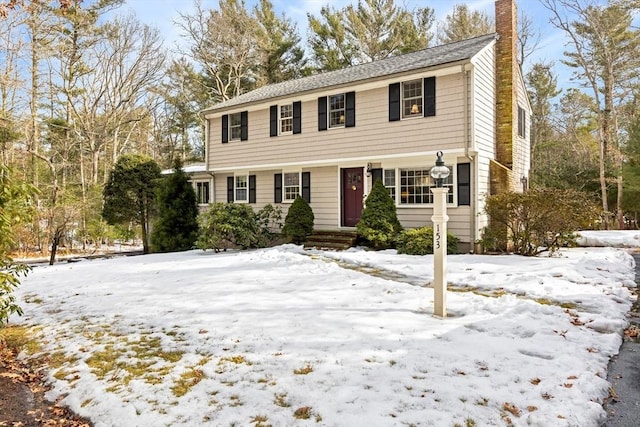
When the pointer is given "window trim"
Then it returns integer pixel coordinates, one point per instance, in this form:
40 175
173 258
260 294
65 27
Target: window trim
196 185
393 187
237 127
419 99
281 120
522 122
236 188
284 185
342 123
452 195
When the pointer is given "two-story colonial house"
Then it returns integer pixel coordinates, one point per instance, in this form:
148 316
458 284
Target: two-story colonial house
327 137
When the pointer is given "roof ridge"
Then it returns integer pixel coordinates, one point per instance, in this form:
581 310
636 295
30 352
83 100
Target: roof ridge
423 58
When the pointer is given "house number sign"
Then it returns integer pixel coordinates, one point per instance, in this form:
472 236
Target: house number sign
438 237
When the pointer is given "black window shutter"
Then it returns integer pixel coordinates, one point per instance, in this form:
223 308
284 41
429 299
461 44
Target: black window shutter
376 175
297 117
277 188
230 197
244 126
429 97
252 188
350 107
394 102
464 184
322 113
306 186
225 129
273 120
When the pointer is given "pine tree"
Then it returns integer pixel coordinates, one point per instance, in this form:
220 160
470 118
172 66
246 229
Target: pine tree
129 193
299 221
379 222
463 24
176 225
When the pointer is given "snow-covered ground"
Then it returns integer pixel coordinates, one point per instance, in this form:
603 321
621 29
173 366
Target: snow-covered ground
287 337
615 238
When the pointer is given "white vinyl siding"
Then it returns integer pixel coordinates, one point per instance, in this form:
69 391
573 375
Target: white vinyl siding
375 135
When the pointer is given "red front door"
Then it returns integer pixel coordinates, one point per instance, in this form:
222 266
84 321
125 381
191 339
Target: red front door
352 192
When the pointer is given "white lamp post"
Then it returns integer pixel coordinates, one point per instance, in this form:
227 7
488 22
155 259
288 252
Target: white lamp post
439 173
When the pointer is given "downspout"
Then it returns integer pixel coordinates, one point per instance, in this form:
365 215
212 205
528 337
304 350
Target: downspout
212 180
473 217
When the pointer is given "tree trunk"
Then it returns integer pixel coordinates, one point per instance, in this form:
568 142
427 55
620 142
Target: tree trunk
54 248
620 211
603 184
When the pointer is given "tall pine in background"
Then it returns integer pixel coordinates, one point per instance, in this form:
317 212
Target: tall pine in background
176 225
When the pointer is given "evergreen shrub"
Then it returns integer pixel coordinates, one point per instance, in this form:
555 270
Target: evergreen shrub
419 241
231 225
298 224
379 224
176 224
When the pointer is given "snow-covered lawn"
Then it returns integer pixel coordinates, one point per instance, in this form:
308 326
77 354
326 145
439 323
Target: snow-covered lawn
287 337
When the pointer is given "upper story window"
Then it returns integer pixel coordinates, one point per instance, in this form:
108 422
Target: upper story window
412 99
235 127
291 186
241 188
336 111
202 192
286 119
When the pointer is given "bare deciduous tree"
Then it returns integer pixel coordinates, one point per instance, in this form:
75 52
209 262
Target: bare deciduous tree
604 53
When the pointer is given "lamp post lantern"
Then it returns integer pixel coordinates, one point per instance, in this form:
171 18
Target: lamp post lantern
439 173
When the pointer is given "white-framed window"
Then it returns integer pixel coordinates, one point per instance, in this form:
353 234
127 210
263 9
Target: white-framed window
416 184
336 110
290 186
241 188
235 127
286 119
202 192
412 99
389 181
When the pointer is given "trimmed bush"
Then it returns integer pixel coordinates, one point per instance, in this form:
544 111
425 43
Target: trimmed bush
537 221
419 241
379 224
298 223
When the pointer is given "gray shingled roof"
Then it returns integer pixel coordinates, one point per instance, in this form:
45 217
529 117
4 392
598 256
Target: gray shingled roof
437 55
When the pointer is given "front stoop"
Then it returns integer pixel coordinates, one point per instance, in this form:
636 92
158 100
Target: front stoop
338 240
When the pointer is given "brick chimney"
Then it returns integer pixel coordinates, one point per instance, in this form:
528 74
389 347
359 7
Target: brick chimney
506 95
